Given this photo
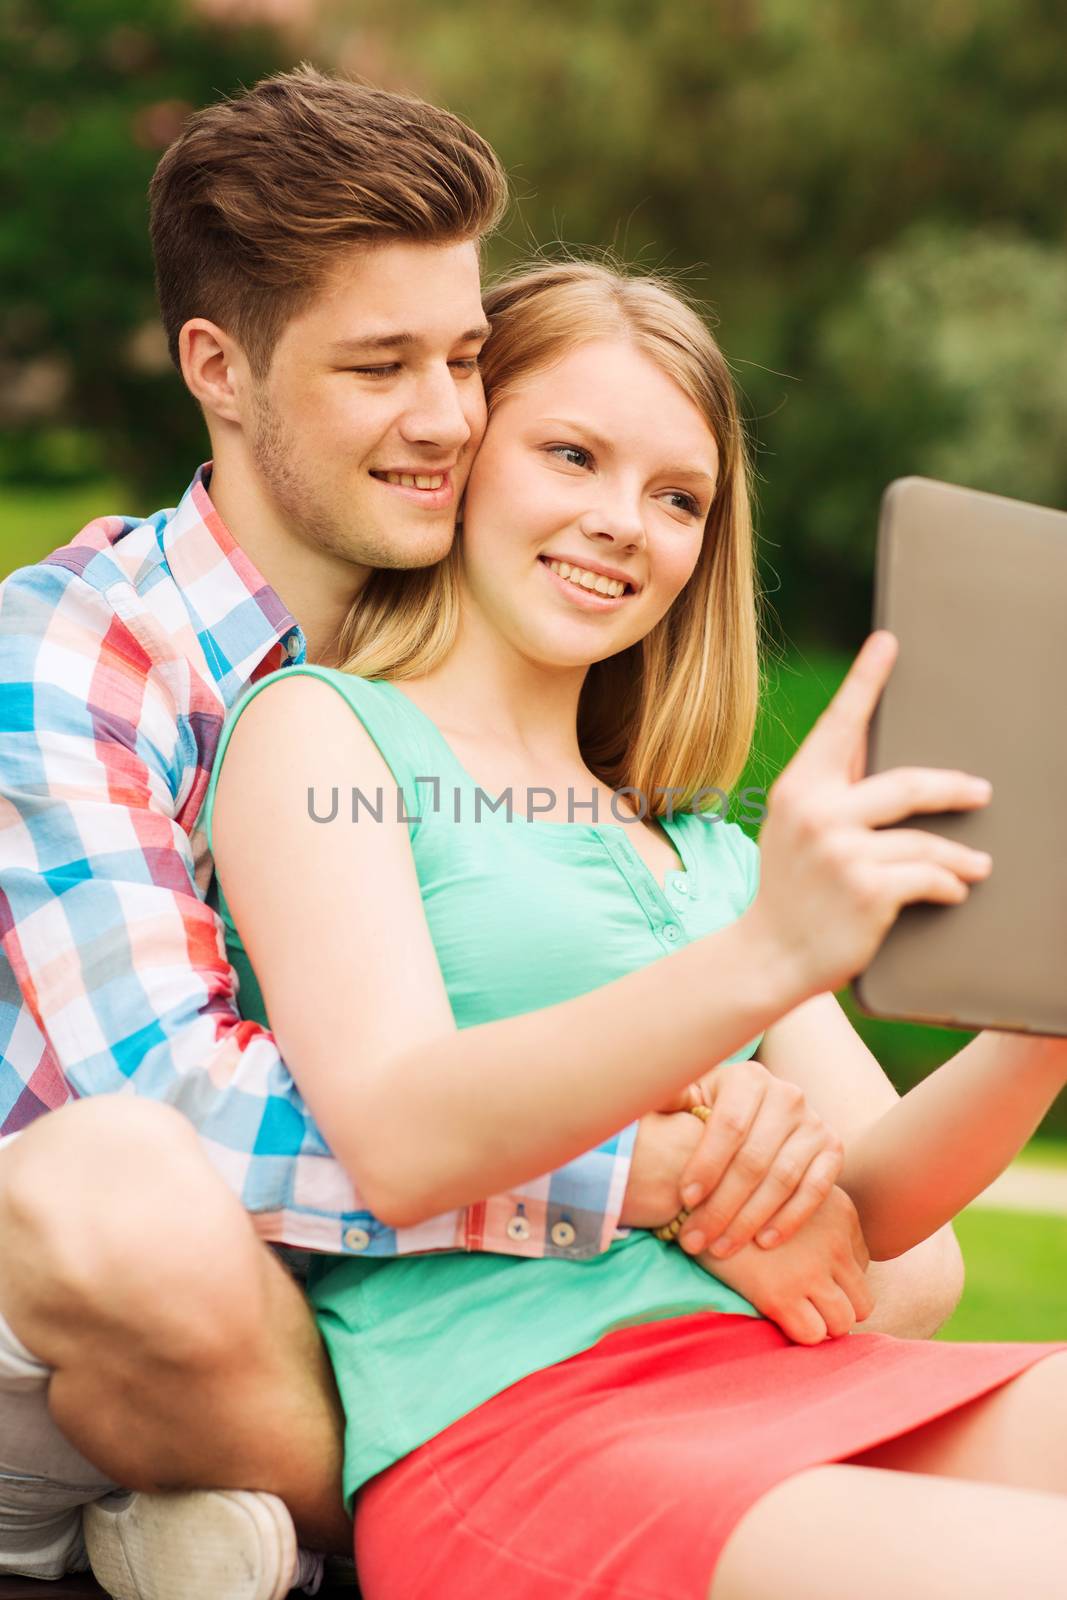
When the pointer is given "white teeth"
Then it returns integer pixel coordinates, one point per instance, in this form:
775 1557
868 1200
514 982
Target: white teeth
588 580
412 480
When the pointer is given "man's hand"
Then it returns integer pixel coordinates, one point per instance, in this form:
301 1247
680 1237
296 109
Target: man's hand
665 1142
814 1287
765 1164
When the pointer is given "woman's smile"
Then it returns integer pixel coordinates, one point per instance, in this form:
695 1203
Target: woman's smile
585 586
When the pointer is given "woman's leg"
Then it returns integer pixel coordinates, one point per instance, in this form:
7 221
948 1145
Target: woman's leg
1017 1435
842 1532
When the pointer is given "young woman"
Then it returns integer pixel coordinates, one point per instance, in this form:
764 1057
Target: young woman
514 985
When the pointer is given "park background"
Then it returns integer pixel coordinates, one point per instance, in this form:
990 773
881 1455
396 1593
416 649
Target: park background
866 196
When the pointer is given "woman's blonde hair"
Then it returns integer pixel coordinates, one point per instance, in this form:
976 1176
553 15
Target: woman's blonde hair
676 710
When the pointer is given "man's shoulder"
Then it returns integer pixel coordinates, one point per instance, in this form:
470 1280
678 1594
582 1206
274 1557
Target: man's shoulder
113 549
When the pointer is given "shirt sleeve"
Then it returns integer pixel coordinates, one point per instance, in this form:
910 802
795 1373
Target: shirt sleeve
119 960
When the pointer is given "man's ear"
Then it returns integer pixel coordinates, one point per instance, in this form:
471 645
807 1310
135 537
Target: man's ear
214 368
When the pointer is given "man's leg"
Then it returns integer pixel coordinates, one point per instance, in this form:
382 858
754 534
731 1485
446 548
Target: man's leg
44 1481
182 1353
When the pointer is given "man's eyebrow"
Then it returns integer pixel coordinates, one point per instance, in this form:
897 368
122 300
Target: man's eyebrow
605 447
397 341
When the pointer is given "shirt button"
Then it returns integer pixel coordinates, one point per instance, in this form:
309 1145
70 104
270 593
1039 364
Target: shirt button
518 1229
563 1235
356 1238
681 886
671 932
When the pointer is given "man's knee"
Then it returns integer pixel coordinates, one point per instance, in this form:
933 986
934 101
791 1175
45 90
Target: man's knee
114 1223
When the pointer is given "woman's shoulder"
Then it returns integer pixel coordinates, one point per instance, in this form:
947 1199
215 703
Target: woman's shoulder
287 710
374 700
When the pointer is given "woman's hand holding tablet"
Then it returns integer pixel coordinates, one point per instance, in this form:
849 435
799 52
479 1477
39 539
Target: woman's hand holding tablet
833 882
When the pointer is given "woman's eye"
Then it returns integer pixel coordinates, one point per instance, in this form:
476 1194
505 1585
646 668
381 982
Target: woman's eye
683 502
571 453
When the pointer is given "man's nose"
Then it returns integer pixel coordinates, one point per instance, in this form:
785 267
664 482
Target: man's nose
437 415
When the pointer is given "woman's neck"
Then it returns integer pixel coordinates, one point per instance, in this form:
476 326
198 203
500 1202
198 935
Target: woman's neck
489 691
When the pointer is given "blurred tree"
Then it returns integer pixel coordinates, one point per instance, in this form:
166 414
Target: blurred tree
948 359
95 90
774 151
811 167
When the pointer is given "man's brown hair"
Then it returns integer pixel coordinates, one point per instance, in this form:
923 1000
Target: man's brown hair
257 196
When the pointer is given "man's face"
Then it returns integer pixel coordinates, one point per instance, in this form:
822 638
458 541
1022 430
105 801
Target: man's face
364 427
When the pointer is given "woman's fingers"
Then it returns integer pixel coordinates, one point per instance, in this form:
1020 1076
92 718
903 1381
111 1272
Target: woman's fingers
911 844
802 1322
737 1093
853 1282
839 736
903 792
761 1152
819 1178
798 1183
835 1308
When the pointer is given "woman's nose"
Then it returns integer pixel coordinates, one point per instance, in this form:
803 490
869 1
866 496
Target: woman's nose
619 522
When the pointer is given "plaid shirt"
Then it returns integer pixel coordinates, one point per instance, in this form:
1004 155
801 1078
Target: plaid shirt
120 655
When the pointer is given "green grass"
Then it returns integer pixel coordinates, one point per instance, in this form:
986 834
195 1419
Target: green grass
35 521
1016 1277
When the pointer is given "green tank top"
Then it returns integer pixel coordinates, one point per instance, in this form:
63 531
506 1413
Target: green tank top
522 915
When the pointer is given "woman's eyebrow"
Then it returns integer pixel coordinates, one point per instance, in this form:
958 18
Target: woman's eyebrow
571 425
696 474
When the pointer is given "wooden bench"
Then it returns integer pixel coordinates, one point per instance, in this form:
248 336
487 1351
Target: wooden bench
83 1588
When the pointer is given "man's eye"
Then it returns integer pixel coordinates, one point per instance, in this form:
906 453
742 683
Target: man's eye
572 453
465 365
377 372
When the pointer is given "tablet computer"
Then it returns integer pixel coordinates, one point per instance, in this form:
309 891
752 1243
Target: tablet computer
975 589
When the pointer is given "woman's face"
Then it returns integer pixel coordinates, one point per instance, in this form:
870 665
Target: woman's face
598 469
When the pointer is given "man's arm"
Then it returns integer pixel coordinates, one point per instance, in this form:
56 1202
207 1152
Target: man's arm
120 962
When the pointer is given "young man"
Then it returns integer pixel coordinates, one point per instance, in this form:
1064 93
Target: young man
316 246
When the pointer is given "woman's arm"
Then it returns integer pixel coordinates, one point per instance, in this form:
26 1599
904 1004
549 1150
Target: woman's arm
424 1116
432 1118
912 1164
946 1141
817 1048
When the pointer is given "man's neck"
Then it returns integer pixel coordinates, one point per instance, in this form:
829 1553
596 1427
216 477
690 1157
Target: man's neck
315 586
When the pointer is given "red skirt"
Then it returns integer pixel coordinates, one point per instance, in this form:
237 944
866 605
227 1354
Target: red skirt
620 1473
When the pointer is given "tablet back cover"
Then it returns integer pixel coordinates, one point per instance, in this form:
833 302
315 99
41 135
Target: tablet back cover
975 588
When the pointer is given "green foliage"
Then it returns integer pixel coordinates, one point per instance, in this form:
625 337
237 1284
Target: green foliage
948 359
95 90
868 194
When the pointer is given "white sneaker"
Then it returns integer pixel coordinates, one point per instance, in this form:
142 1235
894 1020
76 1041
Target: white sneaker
217 1544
